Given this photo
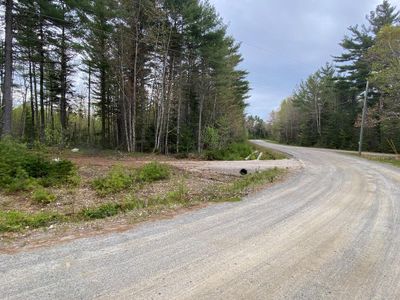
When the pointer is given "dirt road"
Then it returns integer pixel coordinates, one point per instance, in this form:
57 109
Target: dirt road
332 230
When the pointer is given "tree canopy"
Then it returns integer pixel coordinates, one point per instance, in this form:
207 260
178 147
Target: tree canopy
136 75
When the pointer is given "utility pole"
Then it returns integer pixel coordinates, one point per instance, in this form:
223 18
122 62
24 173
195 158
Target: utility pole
364 113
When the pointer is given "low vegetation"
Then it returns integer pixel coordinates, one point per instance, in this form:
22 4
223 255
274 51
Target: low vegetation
269 154
115 181
102 211
117 178
241 151
153 172
42 196
22 169
234 191
39 191
16 220
384 159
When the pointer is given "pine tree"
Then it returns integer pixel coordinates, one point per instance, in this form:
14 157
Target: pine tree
385 14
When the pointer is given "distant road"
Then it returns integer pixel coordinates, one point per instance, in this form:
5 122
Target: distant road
332 230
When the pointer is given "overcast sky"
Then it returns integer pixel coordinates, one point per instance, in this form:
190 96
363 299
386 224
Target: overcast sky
284 41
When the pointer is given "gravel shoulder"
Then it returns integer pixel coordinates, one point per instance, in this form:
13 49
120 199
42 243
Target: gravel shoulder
331 230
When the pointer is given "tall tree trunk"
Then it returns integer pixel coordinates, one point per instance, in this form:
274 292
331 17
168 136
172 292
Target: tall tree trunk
89 103
178 121
169 104
41 83
36 97
179 116
63 79
103 106
135 79
1 83
24 110
7 96
32 99
161 111
200 124
214 109
134 98
52 116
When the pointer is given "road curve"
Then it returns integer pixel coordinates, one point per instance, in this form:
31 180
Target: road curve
331 230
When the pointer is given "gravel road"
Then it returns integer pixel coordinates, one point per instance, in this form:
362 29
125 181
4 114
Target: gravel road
332 230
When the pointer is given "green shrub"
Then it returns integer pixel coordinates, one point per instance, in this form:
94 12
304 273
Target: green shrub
59 172
102 211
15 220
119 179
240 151
21 182
211 138
236 151
23 169
153 172
115 181
40 195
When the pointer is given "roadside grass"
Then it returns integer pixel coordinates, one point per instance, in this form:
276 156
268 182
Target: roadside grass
178 197
236 190
16 220
272 141
384 159
102 211
119 178
240 151
269 154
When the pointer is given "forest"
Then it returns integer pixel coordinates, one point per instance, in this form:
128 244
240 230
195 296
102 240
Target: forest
325 109
135 75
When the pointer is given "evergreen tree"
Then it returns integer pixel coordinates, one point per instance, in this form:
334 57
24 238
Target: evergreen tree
385 14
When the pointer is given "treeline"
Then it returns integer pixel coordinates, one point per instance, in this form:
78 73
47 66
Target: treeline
326 109
138 75
256 127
